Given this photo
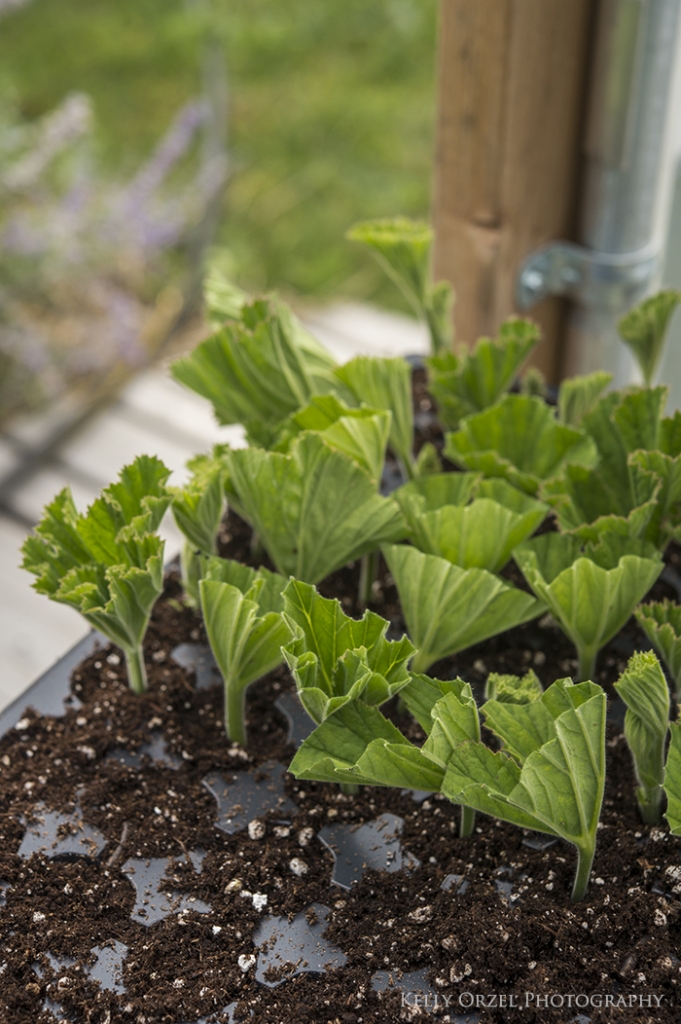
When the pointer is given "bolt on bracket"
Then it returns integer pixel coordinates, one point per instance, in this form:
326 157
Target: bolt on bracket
608 281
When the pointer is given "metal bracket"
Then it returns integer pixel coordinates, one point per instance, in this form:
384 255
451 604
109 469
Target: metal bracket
608 281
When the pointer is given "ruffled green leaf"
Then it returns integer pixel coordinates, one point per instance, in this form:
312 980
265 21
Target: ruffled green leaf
672 780
591 590
644 329
259 370
447 608
481 535
510 689
385 384
578 395
360 433
108 563
473 381
314 510
335 659
223 299
643 688
557 788
518 439
422 693
199 505
661 623
245 638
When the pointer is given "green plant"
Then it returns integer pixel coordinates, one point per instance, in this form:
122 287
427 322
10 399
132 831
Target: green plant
592 588
520 440
578 395
198 508
335 659
643 688
242 612
636 486
107 563
510 689
385 384
644 329
479 535
672 780
402 247
661 623
549 775
259 369
469 382
447 608
292 503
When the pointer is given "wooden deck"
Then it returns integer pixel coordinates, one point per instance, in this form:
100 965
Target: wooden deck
153 415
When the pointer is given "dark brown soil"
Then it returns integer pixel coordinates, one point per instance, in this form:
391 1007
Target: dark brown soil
504 934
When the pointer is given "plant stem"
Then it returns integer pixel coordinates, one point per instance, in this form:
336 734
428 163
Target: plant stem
235 702
349 788
137 673
649 804
587 663
190 567
367 575
467 822
257 550
585 859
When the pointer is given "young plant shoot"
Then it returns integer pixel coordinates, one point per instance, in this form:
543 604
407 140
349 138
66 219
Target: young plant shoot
510 689
661 623
402 248
635 488
479 535
469 382
672 780
335 659
644 329
644 690
591 589
242 612
259 369
549 776
519 440
385 384
197 509
448 608
577 396
107 563
314 509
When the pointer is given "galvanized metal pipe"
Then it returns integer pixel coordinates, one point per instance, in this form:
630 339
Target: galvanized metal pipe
628 170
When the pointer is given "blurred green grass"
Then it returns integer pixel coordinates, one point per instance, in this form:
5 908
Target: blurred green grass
331 114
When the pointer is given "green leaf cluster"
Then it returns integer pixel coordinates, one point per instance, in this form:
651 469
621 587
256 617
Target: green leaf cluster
644 329
314 509
448 608
242 612
548 776
520 440
661 623
335 659
198 508
643 688
472 381
107 563
471 522
402 247
591 588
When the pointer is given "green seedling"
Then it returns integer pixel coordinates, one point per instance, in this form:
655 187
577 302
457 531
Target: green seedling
519 440
644 329
510 689
672 780
479 535
661 623
447 608
643 688
402 247
591 589
198 508
470 382
242 612
107 563
313 510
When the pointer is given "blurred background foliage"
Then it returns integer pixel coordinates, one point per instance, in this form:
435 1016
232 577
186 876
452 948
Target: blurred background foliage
330 116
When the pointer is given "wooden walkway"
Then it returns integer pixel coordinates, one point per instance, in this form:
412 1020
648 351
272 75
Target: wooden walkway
153 415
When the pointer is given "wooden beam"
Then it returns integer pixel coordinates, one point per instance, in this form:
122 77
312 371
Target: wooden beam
512 89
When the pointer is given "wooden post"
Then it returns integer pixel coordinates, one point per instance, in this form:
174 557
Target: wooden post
512 89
